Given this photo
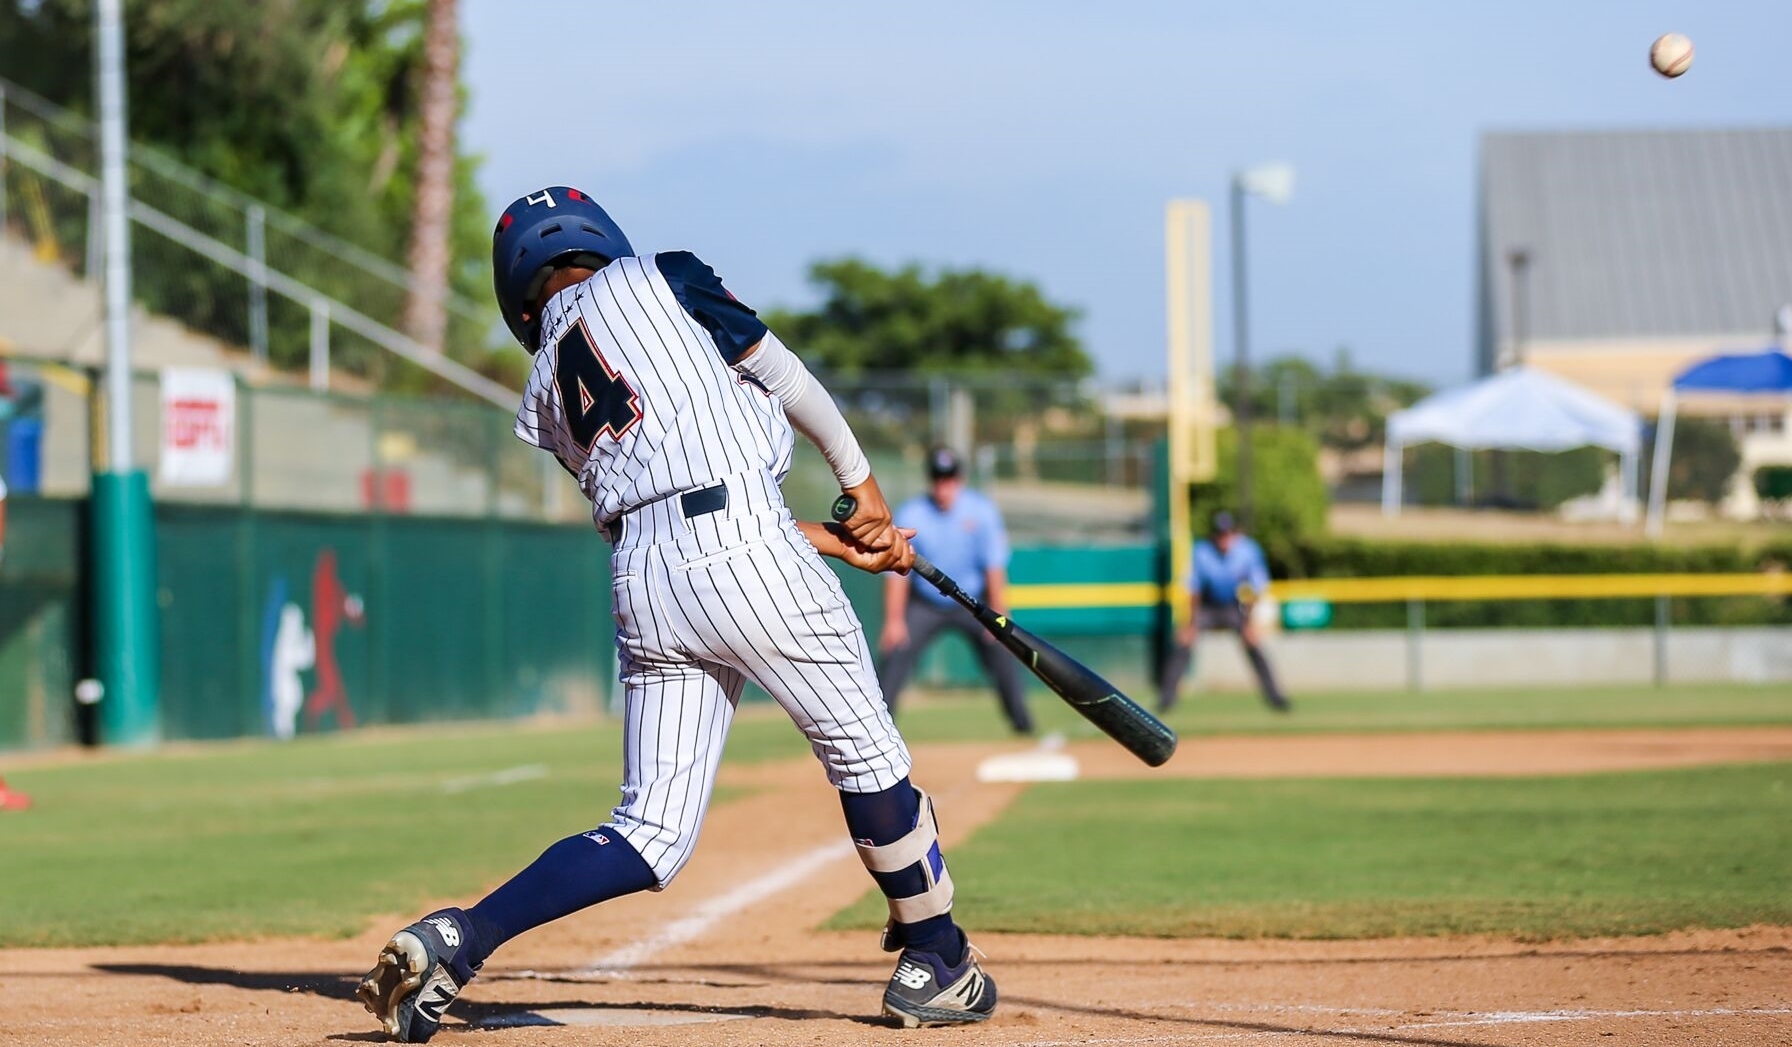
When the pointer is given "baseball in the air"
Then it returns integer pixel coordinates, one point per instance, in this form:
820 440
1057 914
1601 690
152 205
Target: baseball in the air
1671 54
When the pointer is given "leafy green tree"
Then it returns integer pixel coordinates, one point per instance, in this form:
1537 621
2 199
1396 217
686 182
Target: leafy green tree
954 321
1773 483
1705 457
1533 479
311 105
1345 409
1289 499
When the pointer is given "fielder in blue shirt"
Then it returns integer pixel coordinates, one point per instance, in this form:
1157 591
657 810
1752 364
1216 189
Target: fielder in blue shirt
961 532
1229 574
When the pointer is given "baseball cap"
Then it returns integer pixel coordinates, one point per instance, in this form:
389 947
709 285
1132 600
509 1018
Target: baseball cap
1223 523
942 462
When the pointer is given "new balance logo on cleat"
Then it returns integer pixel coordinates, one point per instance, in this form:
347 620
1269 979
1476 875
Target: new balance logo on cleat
435 997
913 977
969 989
446 927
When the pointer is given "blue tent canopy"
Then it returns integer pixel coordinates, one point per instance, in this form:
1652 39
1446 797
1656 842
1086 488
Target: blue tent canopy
1764 372
1767 372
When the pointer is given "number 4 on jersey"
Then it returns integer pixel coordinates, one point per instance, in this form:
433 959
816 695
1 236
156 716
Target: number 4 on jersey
597 399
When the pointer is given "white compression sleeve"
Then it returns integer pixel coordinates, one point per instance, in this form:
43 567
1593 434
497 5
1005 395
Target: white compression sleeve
809 407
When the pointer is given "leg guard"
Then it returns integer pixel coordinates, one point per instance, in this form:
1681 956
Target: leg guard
920 847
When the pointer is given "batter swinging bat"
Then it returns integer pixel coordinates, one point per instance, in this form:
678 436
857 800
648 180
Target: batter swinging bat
1099 701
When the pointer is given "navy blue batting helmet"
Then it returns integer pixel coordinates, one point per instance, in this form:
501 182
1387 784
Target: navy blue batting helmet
539 233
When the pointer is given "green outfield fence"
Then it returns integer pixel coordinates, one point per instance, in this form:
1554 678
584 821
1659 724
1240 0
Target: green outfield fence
385 619
417 618
41 625
423 618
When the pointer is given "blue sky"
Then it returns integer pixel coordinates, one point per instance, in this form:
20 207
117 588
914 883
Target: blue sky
1042 139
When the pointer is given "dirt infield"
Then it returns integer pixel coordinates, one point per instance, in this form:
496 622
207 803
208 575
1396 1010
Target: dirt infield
728 954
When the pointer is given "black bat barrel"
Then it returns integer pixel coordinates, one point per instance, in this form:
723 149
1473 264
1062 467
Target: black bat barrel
1095 699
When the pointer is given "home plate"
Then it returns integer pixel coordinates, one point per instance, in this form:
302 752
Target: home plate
1044 764
615 1016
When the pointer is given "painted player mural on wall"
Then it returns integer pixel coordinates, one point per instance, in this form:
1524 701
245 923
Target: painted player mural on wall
288 649
331 607
291 648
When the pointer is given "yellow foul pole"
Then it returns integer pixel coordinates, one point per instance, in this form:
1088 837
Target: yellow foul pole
1188 285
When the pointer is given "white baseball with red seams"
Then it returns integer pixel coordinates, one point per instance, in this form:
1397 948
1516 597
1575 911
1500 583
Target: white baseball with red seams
1671 54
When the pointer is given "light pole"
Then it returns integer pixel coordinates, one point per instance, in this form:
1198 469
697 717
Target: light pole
1275 183
125 644
1520 260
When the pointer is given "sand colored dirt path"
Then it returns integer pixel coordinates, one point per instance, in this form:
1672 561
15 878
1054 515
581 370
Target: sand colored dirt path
728 955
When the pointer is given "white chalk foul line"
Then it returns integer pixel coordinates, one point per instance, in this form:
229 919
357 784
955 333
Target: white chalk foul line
717 909
1469 1019
1526 1017
508 776
1280 1008
1194 1037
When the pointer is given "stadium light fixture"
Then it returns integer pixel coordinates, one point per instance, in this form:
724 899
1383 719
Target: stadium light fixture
1271 182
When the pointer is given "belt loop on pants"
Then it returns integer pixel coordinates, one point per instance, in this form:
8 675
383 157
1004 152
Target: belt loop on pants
701 502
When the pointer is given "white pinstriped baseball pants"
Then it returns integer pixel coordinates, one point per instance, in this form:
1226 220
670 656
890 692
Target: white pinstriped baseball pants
703 605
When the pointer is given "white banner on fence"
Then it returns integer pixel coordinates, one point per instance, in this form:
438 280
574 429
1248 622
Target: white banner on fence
198 427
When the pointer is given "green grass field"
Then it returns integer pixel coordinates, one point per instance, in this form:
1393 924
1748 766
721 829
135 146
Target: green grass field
311 837
320 835
974 715
1634 853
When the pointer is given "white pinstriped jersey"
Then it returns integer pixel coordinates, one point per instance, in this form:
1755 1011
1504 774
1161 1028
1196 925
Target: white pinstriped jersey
634 392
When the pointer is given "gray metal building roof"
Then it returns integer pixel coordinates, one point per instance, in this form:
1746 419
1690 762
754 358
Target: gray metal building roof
1635 233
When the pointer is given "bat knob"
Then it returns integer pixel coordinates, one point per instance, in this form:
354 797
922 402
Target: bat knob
844 507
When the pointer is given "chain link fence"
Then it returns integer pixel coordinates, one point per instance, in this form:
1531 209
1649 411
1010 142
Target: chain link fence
1047 452
1059 457
292 448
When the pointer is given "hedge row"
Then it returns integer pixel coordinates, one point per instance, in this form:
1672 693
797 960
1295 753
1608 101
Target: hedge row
1568 614
1360 558
1356 558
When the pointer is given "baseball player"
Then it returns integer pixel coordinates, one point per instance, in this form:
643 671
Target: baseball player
961 532
1229 573
672 406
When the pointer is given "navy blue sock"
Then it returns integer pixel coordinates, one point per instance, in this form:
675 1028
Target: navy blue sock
883 818
575 873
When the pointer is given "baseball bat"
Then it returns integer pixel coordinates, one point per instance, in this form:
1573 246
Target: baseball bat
1098 701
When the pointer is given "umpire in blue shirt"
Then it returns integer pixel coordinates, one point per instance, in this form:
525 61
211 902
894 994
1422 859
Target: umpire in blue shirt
1229 574
961 532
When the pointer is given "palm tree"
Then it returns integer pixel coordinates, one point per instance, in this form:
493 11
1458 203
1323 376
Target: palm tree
426 307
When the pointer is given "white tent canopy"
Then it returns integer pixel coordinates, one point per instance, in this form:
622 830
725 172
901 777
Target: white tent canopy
1519 409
